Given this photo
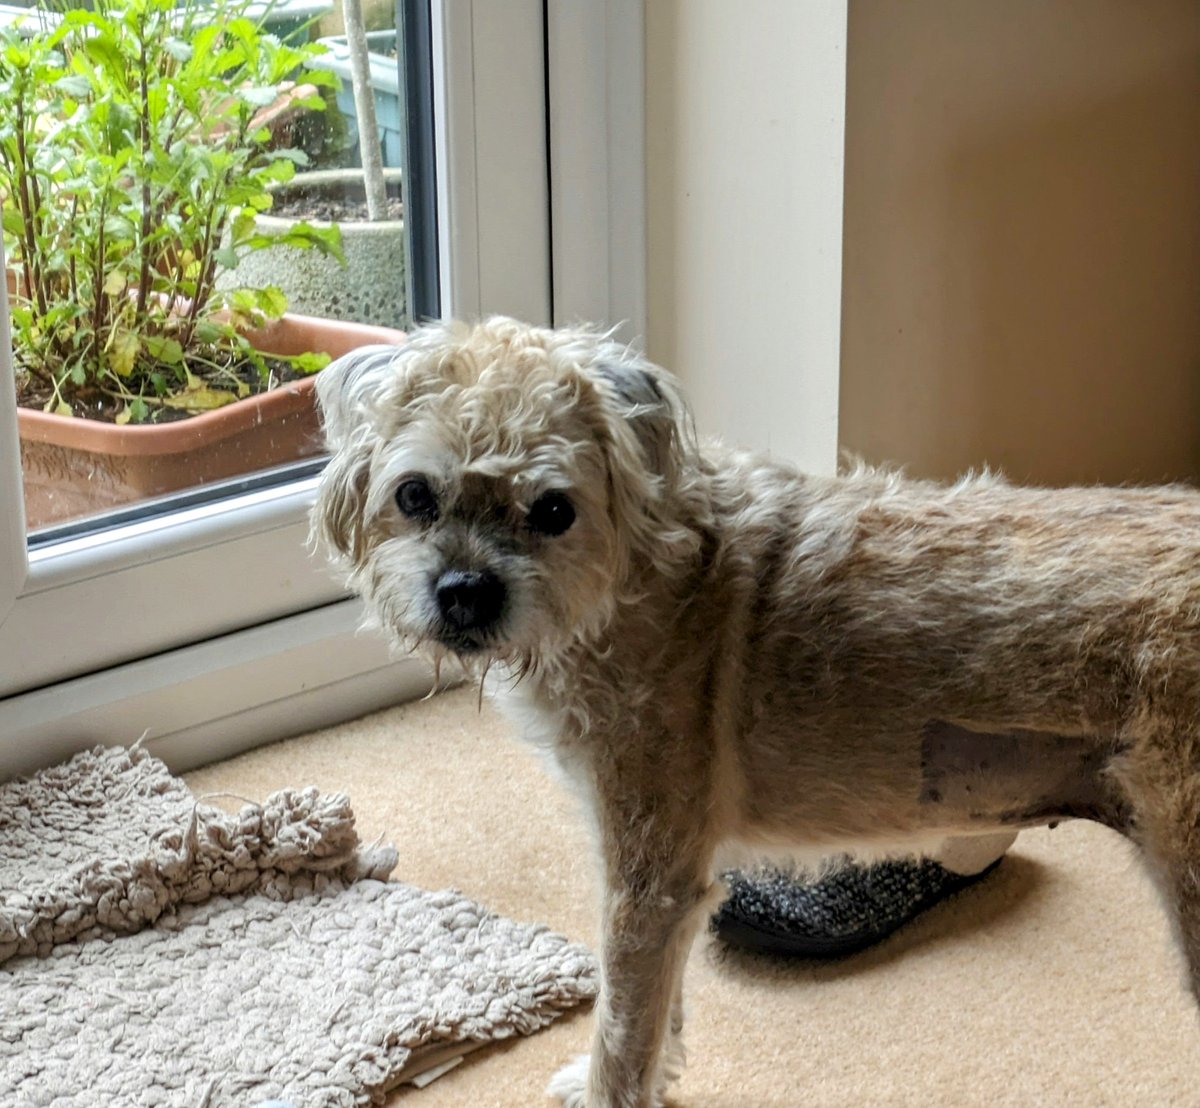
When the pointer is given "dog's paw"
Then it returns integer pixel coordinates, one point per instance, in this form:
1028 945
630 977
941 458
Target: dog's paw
570 1083
674 1060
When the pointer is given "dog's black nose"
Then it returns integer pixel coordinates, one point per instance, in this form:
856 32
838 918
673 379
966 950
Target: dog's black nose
470 601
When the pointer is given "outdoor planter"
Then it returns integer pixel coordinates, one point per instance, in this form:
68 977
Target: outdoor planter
385 80
75 467
370 288
110 198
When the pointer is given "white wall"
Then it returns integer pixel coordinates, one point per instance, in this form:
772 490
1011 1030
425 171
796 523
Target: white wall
1022 265
744 121
1022 230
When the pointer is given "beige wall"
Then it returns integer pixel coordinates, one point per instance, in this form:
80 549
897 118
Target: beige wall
1022 237
744 112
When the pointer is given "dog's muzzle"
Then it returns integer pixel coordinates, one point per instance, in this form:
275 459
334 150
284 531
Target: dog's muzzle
470 604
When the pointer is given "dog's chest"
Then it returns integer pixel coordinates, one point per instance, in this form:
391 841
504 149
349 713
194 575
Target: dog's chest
547 726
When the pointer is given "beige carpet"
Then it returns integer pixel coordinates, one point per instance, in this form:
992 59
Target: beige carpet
1054 983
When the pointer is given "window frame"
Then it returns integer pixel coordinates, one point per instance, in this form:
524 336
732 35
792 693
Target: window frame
84 622
596 57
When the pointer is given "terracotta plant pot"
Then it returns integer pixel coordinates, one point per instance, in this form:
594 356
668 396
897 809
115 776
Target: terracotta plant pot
76 467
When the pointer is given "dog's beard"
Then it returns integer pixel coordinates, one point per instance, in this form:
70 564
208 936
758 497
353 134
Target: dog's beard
398 585
551 601
467 644
515 648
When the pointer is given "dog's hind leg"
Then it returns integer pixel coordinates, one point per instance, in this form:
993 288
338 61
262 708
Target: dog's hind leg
1181 888
1162 780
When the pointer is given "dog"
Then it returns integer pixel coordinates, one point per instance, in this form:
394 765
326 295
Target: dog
730 659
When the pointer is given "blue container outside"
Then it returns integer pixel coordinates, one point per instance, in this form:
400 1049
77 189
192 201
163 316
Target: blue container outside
385 80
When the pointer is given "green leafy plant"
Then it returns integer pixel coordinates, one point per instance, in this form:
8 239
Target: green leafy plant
133 159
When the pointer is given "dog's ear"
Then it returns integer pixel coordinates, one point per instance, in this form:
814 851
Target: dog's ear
348 390
348 393
650 445
647 399
338 521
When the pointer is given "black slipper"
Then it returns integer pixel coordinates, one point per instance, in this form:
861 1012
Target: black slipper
843 912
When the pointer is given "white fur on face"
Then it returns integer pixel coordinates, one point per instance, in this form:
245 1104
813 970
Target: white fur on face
483 502
492 418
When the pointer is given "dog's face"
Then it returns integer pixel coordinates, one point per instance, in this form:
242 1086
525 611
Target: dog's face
491 486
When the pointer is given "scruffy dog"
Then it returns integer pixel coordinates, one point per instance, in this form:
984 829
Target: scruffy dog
729 658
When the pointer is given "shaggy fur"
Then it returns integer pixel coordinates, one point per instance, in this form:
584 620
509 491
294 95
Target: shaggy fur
727 656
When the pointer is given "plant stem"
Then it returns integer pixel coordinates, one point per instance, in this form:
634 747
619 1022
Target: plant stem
364 109
74 275
98 294
33 283
144 126
207 275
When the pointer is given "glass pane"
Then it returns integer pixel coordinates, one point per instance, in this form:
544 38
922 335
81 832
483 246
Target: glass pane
188 237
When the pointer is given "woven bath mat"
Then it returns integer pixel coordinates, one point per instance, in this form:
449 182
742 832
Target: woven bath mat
318 984
111 839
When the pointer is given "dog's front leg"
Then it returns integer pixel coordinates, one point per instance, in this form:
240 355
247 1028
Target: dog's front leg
650 920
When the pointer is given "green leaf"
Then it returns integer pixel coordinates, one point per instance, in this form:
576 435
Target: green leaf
178 49
199 397
117 227
325 240
324 78
17 55
164 350
310 363
282 169
136 411
258 96
78 87
208 332
106 55
272 302
246 304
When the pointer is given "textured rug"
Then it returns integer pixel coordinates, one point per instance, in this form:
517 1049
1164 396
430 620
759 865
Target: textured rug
157 951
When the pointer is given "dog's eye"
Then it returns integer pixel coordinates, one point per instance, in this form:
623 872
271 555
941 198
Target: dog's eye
416 500
551 514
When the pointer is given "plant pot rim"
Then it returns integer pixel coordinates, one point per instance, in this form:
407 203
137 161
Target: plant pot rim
382 35
392 175
320 177
284 336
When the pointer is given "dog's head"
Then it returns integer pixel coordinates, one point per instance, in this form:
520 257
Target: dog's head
496 490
